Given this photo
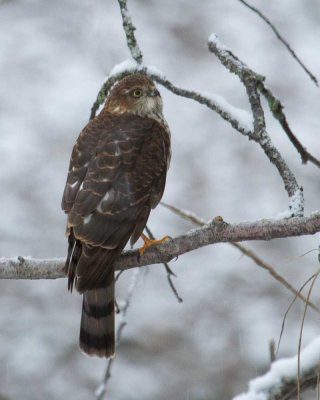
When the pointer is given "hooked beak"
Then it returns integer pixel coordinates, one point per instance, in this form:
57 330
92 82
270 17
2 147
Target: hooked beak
154 93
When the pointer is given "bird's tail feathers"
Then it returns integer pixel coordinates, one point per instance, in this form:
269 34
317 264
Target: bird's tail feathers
97 335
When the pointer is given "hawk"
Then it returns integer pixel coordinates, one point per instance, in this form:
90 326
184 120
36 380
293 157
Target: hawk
117 174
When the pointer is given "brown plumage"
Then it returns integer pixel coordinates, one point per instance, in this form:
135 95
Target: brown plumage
117 174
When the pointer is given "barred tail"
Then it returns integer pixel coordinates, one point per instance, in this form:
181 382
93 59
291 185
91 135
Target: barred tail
97 322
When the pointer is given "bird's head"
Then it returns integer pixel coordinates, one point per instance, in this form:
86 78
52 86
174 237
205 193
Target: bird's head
135 94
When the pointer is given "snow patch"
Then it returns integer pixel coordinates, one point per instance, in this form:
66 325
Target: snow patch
152 70
213 38
283 370
128 65
296 206
242 116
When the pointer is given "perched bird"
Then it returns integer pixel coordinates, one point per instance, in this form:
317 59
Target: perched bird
117 174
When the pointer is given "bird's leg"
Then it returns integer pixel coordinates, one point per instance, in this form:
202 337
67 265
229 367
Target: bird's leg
149 243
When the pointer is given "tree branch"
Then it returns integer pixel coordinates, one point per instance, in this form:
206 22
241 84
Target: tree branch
247 252
129 29
216 231
280 382
251 80
262 16
276 108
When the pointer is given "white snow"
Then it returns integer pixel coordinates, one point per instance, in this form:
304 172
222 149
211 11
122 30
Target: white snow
284 369
213 38
296 205
244 117
152 70
128 65
57 54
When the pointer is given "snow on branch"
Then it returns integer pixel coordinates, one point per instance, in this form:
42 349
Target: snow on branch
239 119
250 80
216 231
280 382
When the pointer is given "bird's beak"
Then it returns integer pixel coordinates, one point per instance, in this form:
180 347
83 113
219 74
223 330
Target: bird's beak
154 93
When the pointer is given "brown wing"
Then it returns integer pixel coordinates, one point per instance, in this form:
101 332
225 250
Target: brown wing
117 174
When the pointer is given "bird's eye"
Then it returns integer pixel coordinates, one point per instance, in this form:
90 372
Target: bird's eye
137 93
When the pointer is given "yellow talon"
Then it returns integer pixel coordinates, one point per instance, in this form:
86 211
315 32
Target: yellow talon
149 243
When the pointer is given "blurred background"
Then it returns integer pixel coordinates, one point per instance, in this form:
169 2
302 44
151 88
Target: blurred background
54 57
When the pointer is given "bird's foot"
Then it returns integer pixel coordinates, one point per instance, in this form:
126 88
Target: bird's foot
149 243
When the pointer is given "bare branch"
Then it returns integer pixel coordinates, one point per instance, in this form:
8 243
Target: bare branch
216 231
254 9
274 274
250 80
276 108
169 271
286 314
247 252
300 335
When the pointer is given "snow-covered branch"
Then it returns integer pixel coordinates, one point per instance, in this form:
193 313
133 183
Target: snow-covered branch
251 80
216 231
238 119
280 382
254 129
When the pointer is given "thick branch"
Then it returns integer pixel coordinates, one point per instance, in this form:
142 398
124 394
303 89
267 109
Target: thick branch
194 219
217 231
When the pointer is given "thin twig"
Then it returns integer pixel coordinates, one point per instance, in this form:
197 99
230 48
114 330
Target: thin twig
287 312
301 330
258 12
169 271
249 253
280 382
276 108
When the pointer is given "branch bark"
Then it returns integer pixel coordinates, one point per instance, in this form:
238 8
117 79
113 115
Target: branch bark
217 231
194 219
251 81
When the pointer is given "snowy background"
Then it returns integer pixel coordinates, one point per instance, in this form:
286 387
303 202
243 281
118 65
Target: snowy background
54 57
